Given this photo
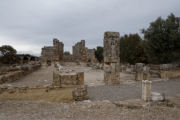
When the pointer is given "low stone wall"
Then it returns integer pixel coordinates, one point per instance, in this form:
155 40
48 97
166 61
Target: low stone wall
70 79
170 74
10 77
14 73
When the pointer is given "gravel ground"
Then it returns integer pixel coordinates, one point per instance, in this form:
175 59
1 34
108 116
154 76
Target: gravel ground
105 110
132 91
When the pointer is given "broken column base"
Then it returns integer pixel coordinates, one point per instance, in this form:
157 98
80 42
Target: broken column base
139 76
111 73
146 90
146 76
63 79
80 93
111 78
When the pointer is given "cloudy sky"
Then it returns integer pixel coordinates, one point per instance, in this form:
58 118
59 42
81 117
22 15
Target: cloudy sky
28 25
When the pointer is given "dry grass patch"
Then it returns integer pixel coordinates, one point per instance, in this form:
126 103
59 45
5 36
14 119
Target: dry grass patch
54 95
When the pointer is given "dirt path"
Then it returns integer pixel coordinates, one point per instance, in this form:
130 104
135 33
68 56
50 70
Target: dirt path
41 77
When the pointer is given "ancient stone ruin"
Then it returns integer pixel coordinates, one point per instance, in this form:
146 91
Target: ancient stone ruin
80 93
91 58
66 78
146 90
79 51
52 53
111 58
13 73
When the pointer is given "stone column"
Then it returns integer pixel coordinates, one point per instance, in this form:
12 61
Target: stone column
146 73
111 58
146 90
164 68
139 71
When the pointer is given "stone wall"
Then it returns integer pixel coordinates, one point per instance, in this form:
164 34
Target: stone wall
91 56
111 58
53 53
64 79
14 73
79 51
169 71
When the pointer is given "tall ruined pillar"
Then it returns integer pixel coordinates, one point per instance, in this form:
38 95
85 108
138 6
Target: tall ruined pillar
83 51
111 58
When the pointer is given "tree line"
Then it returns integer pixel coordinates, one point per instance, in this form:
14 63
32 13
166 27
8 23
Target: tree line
160 45
8 55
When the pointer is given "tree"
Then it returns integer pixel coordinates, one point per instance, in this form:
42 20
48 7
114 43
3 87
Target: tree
128 48
163 40
99 53
8 54
140 55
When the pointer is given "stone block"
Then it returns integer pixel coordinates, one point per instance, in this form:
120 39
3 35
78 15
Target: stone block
56 78
139 76
80 93
111 47
146 90
111 73
67 79
80 78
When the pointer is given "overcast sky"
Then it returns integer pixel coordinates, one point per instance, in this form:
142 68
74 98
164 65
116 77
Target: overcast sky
28 25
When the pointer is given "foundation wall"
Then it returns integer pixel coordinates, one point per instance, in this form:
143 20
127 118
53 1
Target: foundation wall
67 79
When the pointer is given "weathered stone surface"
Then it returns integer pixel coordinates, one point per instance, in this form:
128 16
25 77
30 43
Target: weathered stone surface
11 76
111 46
139 71
80 93
111 58
16 72
70 79
146 73
146 90
79 51
53 53
91 56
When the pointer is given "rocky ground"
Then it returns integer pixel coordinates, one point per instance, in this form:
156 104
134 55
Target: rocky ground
103 103
102 110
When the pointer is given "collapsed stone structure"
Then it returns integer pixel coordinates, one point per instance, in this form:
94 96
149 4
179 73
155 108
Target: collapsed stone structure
111 58
64 79
53 53
67 78
91 55
79 51
13 73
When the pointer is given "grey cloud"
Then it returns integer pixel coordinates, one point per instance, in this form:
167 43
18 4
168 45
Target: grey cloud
34 23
